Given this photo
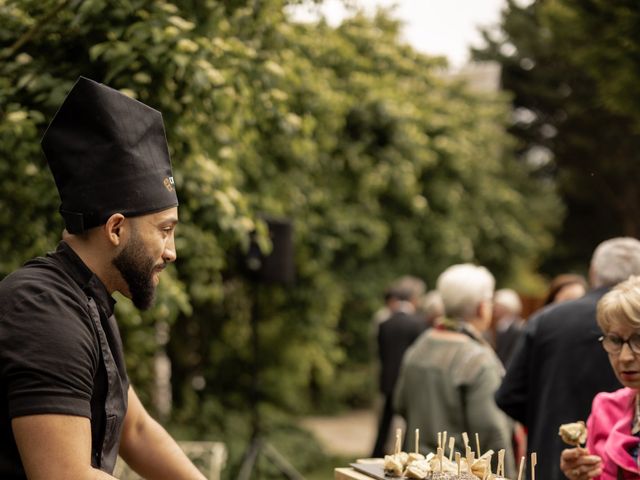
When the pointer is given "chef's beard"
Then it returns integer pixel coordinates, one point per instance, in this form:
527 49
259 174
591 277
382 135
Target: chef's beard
136 268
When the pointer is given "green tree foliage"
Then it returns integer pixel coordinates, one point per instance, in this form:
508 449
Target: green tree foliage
385 166
568 65
603 40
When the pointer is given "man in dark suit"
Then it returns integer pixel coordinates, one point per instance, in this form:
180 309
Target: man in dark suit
559 366
395 335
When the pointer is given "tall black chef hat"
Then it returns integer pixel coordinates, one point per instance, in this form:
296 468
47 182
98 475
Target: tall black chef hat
108 154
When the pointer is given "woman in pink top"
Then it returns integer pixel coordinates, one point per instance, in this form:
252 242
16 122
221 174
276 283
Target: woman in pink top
613 427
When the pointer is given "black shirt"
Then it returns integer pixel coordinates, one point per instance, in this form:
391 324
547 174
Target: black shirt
60 353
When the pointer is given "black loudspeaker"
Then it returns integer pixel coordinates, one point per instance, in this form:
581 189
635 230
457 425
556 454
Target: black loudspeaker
277 266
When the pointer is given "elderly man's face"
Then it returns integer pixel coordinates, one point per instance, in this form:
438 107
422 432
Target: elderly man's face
150 248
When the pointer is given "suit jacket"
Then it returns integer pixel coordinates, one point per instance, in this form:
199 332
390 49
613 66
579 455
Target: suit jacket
395 335
557 369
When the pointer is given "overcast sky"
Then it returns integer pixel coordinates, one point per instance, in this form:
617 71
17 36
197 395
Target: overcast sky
437 27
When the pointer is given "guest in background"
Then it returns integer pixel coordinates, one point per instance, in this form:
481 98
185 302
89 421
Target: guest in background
558 366
508 322
567 286
395 335
431 308
614 424
450 374
396 293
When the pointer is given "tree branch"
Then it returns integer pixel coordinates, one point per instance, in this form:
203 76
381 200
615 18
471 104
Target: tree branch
31 33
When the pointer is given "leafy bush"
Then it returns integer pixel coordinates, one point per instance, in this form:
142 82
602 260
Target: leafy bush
385 166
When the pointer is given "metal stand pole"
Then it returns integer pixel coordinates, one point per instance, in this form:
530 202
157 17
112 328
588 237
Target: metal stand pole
258 445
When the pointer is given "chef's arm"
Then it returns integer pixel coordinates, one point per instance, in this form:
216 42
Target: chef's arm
148 448
55 447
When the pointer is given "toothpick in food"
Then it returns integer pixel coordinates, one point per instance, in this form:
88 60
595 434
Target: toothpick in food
521 471
452 443
534 462
470 457
500 470
465 440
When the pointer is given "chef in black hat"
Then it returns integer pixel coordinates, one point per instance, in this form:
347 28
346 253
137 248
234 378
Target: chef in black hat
66 407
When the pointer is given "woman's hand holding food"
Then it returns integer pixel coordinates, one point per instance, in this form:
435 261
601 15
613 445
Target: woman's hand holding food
578 464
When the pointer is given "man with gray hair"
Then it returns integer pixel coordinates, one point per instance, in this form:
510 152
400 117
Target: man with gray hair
449 375
559 366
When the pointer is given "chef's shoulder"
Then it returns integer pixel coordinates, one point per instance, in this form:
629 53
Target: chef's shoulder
44 290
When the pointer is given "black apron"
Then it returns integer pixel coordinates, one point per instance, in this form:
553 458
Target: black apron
105 454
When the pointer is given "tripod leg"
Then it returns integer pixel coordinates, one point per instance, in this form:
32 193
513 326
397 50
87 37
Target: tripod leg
279 461
249 460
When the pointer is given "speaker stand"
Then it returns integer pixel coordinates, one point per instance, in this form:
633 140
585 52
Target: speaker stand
258 445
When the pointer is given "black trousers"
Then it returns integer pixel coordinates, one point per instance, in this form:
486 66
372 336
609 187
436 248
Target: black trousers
384 426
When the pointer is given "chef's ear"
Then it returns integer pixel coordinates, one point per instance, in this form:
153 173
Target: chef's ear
114 228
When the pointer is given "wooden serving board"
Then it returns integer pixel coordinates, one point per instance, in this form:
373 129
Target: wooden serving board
373 470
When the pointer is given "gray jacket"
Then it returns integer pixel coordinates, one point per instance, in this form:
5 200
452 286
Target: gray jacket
448 384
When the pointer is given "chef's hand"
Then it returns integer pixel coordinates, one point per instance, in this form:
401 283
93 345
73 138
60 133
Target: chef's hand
578 464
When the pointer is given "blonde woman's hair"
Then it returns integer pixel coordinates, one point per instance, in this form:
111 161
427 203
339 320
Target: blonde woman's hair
621 304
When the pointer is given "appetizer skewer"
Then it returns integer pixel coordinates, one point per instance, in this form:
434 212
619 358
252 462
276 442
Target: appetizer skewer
521 471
